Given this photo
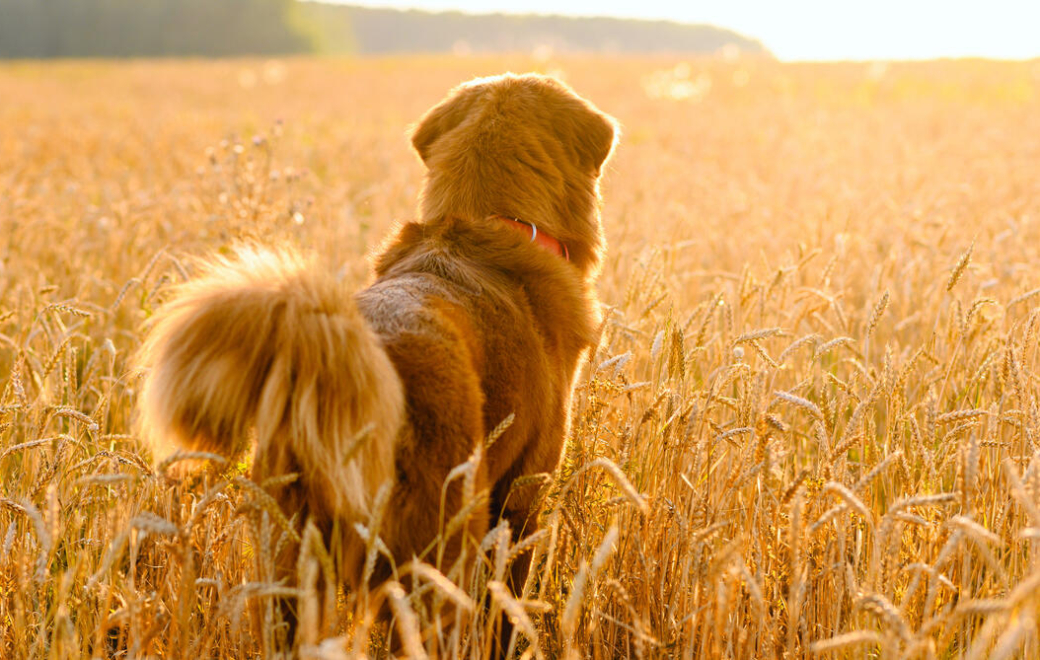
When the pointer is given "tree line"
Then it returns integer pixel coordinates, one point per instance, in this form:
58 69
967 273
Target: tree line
372 30
216 28
149 28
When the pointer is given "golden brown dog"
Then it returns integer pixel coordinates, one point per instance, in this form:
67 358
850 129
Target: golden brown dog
480 309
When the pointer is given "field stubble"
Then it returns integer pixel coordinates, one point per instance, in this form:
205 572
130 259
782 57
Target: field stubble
811 426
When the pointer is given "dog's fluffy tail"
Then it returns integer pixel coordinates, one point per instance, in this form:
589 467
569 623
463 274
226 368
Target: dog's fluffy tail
264 342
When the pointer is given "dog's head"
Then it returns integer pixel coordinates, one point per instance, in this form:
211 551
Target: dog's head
520 146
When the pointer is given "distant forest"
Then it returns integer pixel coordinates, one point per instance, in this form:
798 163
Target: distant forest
366 30
217 28
150 28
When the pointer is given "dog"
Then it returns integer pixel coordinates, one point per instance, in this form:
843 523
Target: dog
481 308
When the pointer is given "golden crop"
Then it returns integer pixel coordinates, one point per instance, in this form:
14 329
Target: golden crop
811 427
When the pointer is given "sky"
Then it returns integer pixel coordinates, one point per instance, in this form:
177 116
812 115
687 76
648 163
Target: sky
797 30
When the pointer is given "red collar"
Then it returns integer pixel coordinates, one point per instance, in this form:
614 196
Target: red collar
544 240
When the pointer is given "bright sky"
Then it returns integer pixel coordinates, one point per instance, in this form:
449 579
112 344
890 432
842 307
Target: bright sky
819 29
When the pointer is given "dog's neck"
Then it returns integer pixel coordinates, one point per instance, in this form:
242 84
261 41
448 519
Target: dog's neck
541 238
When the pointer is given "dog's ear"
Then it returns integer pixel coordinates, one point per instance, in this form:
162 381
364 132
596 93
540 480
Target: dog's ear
589 133
443 117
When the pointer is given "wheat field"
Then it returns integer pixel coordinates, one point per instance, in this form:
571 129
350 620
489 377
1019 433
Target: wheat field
811 428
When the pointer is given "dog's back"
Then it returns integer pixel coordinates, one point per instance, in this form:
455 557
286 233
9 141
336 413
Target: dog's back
475 340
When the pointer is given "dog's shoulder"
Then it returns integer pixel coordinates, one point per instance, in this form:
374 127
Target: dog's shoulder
485 270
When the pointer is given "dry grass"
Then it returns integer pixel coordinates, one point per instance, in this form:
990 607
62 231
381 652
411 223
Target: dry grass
811 427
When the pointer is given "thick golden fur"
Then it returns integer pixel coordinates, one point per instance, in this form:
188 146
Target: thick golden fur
466 322
263 343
